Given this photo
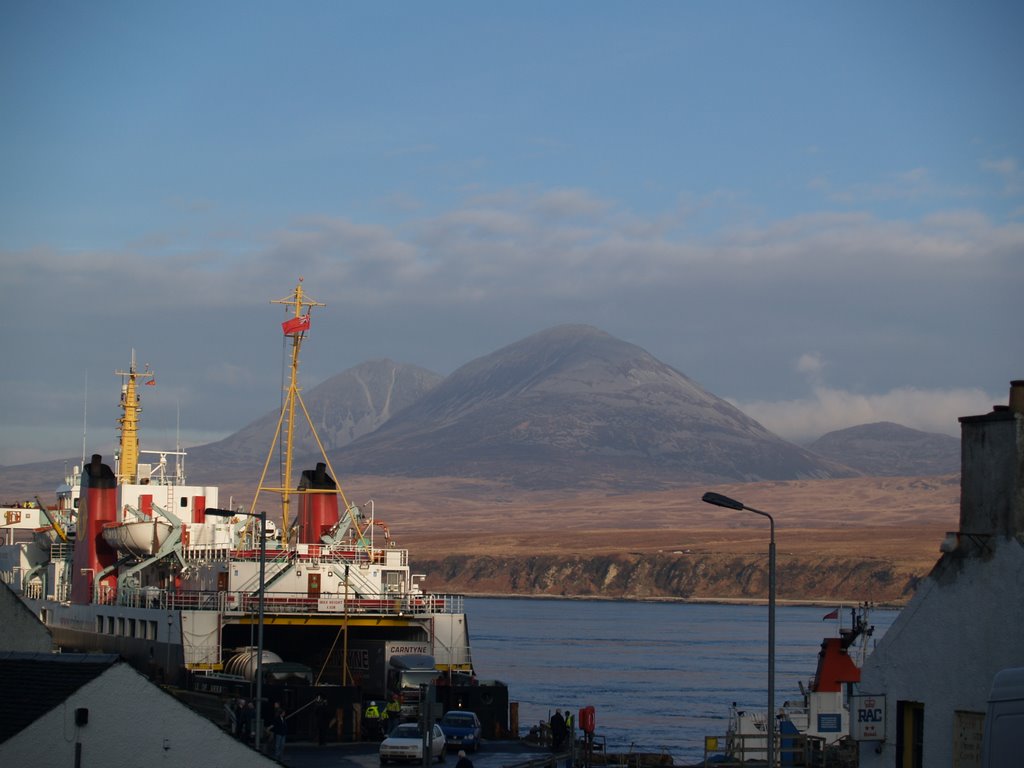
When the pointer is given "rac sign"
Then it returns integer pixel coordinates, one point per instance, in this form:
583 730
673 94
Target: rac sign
868 717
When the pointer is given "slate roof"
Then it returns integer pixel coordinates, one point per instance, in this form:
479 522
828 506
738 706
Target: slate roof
32 684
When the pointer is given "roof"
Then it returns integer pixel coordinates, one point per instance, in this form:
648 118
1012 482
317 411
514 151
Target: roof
51 677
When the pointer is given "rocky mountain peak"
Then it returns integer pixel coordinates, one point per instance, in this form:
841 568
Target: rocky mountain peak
574 406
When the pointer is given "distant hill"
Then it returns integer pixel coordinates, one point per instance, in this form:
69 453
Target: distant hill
575 407
343 408
885 449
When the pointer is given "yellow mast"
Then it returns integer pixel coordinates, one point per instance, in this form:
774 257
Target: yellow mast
295 327
128 455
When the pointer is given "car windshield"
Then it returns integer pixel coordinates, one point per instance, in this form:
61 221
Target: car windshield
458 719
406 731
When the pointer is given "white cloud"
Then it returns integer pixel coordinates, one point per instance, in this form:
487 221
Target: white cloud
1008 170
910 184
811 364
827 410
877 304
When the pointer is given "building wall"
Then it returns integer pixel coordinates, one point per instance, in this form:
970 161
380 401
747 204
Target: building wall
131 723
946 646
966 622
20 630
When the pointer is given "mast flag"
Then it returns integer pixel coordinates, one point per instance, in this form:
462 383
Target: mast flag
296 325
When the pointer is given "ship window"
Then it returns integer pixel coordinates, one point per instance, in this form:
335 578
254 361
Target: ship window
120 625
110 625
131 627
184 502
99 625
151 632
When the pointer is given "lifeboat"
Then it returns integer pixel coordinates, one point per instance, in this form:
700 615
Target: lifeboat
141 538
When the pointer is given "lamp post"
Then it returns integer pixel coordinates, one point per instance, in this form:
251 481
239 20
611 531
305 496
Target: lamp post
724 501
262 517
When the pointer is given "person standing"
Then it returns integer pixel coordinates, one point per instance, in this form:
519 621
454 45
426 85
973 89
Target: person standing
248 719
323 717
279 729
392 714
371 721
557 731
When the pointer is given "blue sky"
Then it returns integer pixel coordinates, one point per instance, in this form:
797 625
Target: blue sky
814 210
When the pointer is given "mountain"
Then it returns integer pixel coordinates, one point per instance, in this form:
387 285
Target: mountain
574 407
885 449
342 408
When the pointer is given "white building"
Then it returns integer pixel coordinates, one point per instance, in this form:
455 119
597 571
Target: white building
928 681
94 709
70 709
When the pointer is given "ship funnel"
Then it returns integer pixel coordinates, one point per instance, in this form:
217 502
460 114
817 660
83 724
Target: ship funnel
93 556
318 512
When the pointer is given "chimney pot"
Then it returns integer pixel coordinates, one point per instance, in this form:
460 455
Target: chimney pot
1017 396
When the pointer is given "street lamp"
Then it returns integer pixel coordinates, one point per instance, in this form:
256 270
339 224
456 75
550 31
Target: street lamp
262 517
724 501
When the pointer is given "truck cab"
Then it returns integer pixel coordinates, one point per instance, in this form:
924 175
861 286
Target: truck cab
1004 720
406 673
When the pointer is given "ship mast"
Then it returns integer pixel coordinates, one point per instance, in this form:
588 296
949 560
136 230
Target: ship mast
128 455
295 327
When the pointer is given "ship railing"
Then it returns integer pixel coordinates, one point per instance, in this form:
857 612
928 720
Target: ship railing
340 554
288 602
736 749
380 604
153 597
203 553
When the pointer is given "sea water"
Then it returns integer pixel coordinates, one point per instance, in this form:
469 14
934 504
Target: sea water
661 676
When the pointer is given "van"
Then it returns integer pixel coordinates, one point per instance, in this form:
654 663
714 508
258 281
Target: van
1003 742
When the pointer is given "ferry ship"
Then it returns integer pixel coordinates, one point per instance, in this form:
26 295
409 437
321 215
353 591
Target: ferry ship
134 560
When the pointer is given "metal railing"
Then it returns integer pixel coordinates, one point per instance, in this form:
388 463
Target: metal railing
790 749
288 602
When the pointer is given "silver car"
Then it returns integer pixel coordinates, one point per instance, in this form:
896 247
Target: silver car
405 744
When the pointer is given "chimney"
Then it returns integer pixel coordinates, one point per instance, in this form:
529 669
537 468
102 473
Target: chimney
992 469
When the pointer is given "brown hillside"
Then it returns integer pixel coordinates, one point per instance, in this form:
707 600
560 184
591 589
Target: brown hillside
842 539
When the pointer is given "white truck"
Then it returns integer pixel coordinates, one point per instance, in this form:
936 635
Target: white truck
1003 741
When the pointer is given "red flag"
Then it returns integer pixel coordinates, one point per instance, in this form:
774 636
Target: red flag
151 383
295 325
834 614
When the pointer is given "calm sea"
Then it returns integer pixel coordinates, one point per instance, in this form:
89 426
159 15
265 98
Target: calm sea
661 676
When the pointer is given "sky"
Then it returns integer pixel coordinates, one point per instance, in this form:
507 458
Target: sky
814 210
